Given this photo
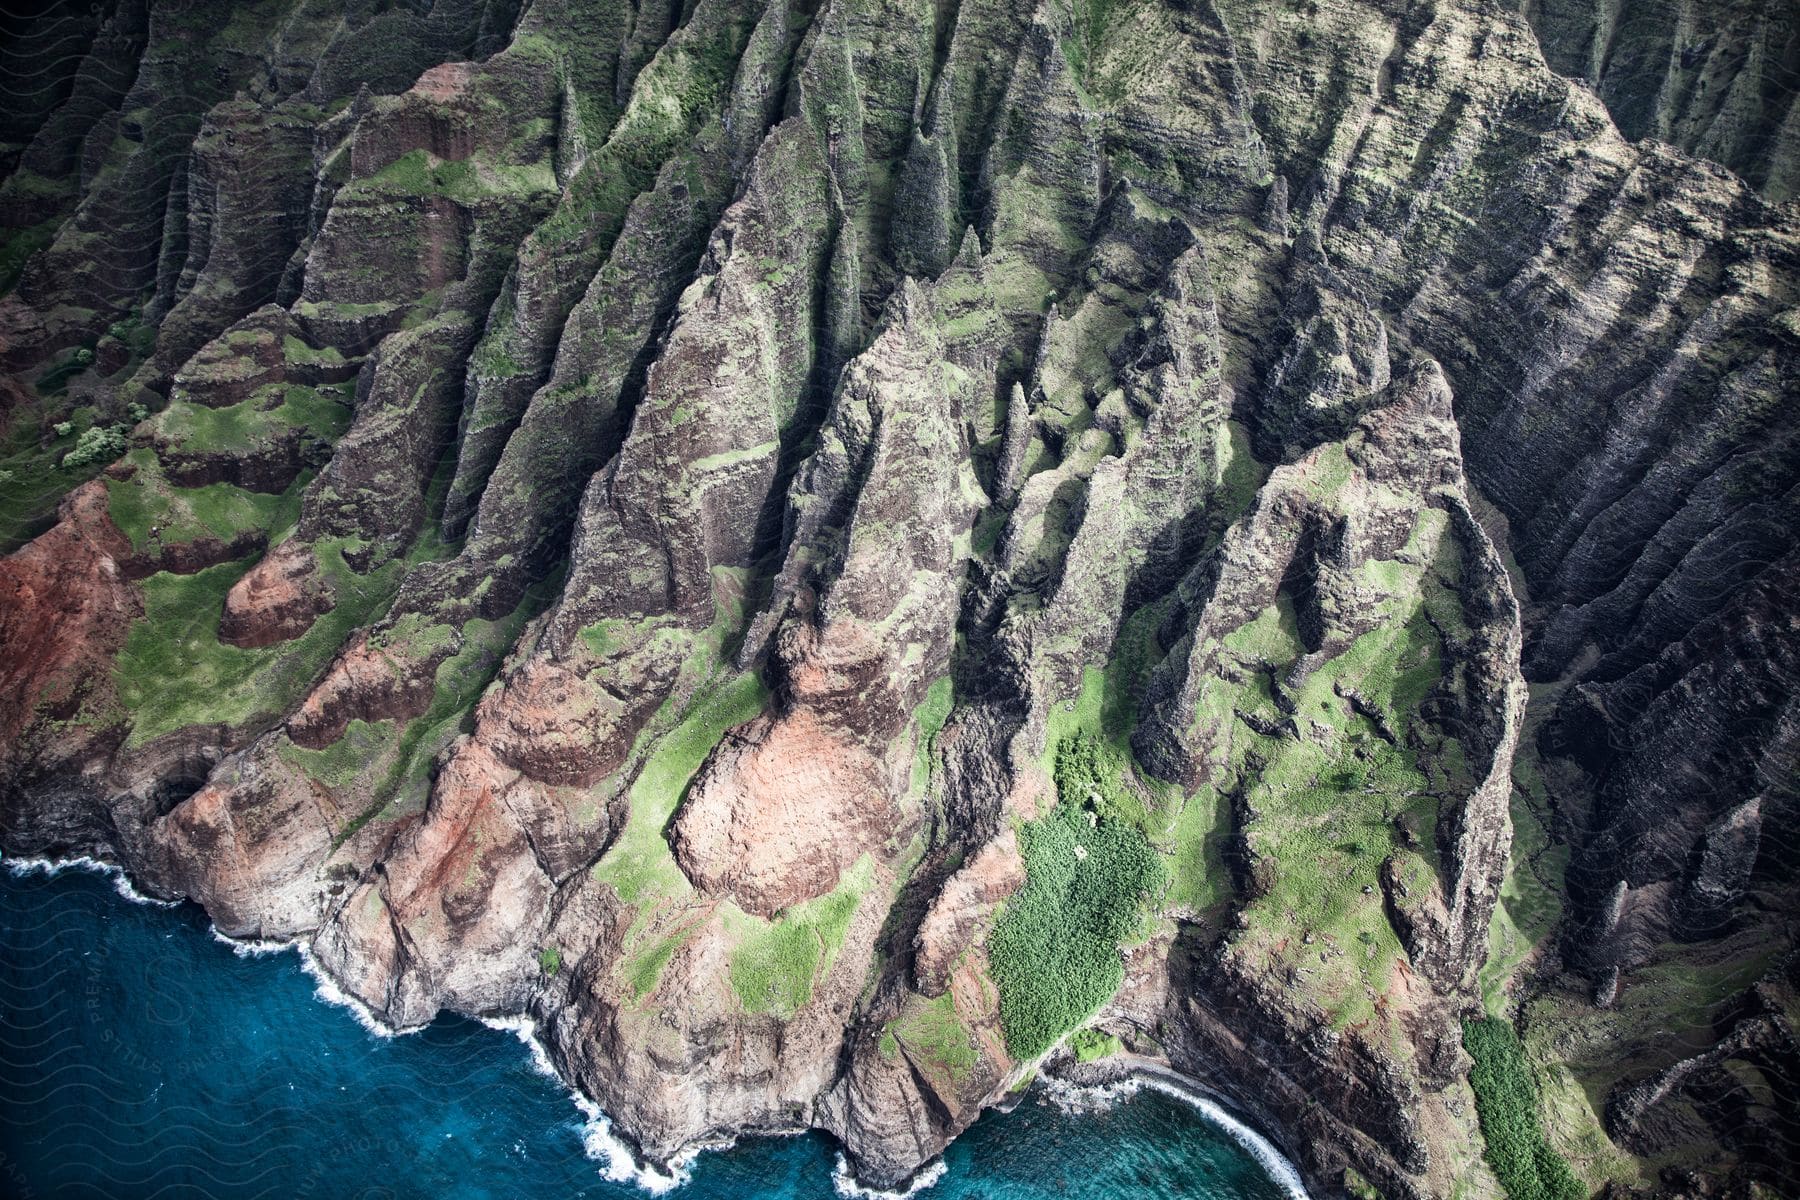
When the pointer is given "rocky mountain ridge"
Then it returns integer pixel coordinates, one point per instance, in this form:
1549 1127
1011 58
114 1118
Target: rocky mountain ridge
706 524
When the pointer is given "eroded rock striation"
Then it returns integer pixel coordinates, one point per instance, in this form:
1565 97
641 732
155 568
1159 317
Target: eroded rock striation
699 523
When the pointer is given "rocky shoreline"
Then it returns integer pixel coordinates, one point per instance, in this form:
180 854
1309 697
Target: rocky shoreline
1102 1077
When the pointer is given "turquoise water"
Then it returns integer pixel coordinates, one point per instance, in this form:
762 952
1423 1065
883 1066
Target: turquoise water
141 1057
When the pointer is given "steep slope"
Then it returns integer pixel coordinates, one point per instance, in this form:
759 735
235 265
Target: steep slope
1717 80
824 550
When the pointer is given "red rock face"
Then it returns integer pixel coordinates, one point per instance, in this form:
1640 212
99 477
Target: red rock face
277 601
363 684
779 811
558 727
964 908
456 862
446 81
65 610
250 849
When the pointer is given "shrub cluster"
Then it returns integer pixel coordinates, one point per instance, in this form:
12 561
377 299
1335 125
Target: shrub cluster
1055 949
1091 1045
1506 1105
97 443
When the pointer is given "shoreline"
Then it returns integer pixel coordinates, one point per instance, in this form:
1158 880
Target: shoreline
1125 1072
1071 1085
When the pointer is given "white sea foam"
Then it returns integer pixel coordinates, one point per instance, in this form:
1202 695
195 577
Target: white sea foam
618 1163
525 1029
121 882
846 1185
1075 1098
326 988
251 947
1080 1098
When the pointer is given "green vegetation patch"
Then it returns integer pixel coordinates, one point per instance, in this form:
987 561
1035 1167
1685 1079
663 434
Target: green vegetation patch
644 971
612 636
468 180
1358 1186
175 672
256 422
775 963
1506 1104
338 765
928 720
180 515
1199 830
1325 806
1055 948
934 1037
1190 830
1091 1045
639 863
1531 894
97 445
300 354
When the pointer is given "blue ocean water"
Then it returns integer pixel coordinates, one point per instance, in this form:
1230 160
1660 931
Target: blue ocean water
141 1057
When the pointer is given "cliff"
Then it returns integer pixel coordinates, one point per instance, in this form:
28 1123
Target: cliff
717 525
